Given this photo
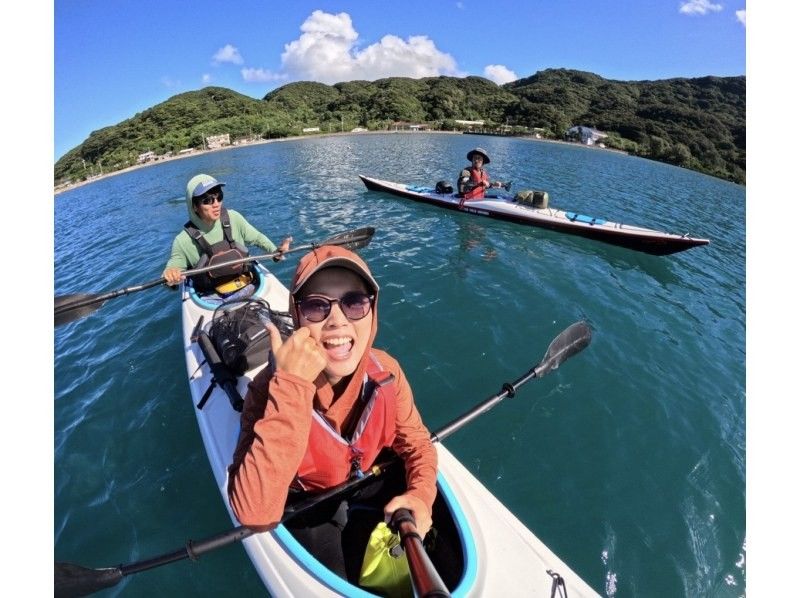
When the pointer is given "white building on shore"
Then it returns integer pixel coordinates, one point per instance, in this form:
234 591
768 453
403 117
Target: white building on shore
217 141
586 135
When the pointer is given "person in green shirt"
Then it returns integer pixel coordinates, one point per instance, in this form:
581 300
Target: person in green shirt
203 240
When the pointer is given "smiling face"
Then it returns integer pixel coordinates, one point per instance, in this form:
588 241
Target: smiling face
343 340
477 160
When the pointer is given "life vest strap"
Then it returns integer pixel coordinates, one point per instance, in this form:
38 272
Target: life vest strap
227 232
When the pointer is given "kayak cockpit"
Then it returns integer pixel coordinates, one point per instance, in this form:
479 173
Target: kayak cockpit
450 544
212 300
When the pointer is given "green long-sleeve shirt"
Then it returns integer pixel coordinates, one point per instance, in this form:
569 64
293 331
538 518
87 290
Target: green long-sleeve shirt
186 253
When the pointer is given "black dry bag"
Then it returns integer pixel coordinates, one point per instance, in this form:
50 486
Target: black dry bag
444 187
239 334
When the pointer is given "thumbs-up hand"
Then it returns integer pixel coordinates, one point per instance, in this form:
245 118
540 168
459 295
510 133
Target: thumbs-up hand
299 355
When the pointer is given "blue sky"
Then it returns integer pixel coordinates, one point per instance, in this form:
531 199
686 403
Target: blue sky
114 59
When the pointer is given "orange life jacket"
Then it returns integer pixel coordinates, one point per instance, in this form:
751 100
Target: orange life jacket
330 459
476 176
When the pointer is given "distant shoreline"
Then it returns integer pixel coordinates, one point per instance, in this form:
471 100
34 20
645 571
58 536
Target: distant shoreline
61 188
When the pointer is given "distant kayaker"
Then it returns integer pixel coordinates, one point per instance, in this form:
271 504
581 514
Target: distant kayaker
214 235
474 180
322 414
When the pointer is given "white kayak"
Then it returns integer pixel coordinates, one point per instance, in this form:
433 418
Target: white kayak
495 554
503 206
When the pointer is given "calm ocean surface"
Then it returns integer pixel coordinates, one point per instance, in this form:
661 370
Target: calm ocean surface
628 461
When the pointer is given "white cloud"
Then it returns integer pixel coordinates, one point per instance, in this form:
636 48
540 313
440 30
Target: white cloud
206 78
740 16
326 52
252 75
699 7
499 74
168 81
227 53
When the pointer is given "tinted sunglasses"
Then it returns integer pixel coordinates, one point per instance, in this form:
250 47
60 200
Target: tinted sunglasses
354 305
208 197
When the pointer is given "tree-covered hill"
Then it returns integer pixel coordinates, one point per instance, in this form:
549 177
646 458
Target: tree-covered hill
695 123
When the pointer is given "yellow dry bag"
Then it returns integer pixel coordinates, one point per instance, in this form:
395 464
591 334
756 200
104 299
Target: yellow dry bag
241 281
385 567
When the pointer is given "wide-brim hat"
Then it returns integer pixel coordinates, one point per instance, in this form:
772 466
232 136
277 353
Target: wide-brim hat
481 151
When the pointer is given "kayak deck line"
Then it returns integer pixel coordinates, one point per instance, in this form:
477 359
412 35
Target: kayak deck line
502 206
498 554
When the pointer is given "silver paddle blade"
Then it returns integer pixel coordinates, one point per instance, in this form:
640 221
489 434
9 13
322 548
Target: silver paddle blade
354 239
572 340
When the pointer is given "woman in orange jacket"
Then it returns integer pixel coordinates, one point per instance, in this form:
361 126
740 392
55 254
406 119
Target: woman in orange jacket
327 407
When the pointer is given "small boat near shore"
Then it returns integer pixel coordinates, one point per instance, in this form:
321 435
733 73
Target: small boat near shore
503 206
484 550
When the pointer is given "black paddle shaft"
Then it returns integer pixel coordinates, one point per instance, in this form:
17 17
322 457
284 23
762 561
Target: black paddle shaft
72 581
68 308
573 339
426 580
192 550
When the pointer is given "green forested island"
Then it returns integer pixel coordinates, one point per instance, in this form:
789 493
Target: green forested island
695 123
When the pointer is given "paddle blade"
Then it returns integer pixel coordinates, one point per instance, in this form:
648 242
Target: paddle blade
354 239
64 313
74 580
571 341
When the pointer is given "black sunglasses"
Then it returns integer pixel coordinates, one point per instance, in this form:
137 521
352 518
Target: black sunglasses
209 196
354 305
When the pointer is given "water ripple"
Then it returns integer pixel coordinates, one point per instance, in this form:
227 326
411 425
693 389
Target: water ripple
633 450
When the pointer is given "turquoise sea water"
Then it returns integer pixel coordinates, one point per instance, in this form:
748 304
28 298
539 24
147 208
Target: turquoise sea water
628 461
